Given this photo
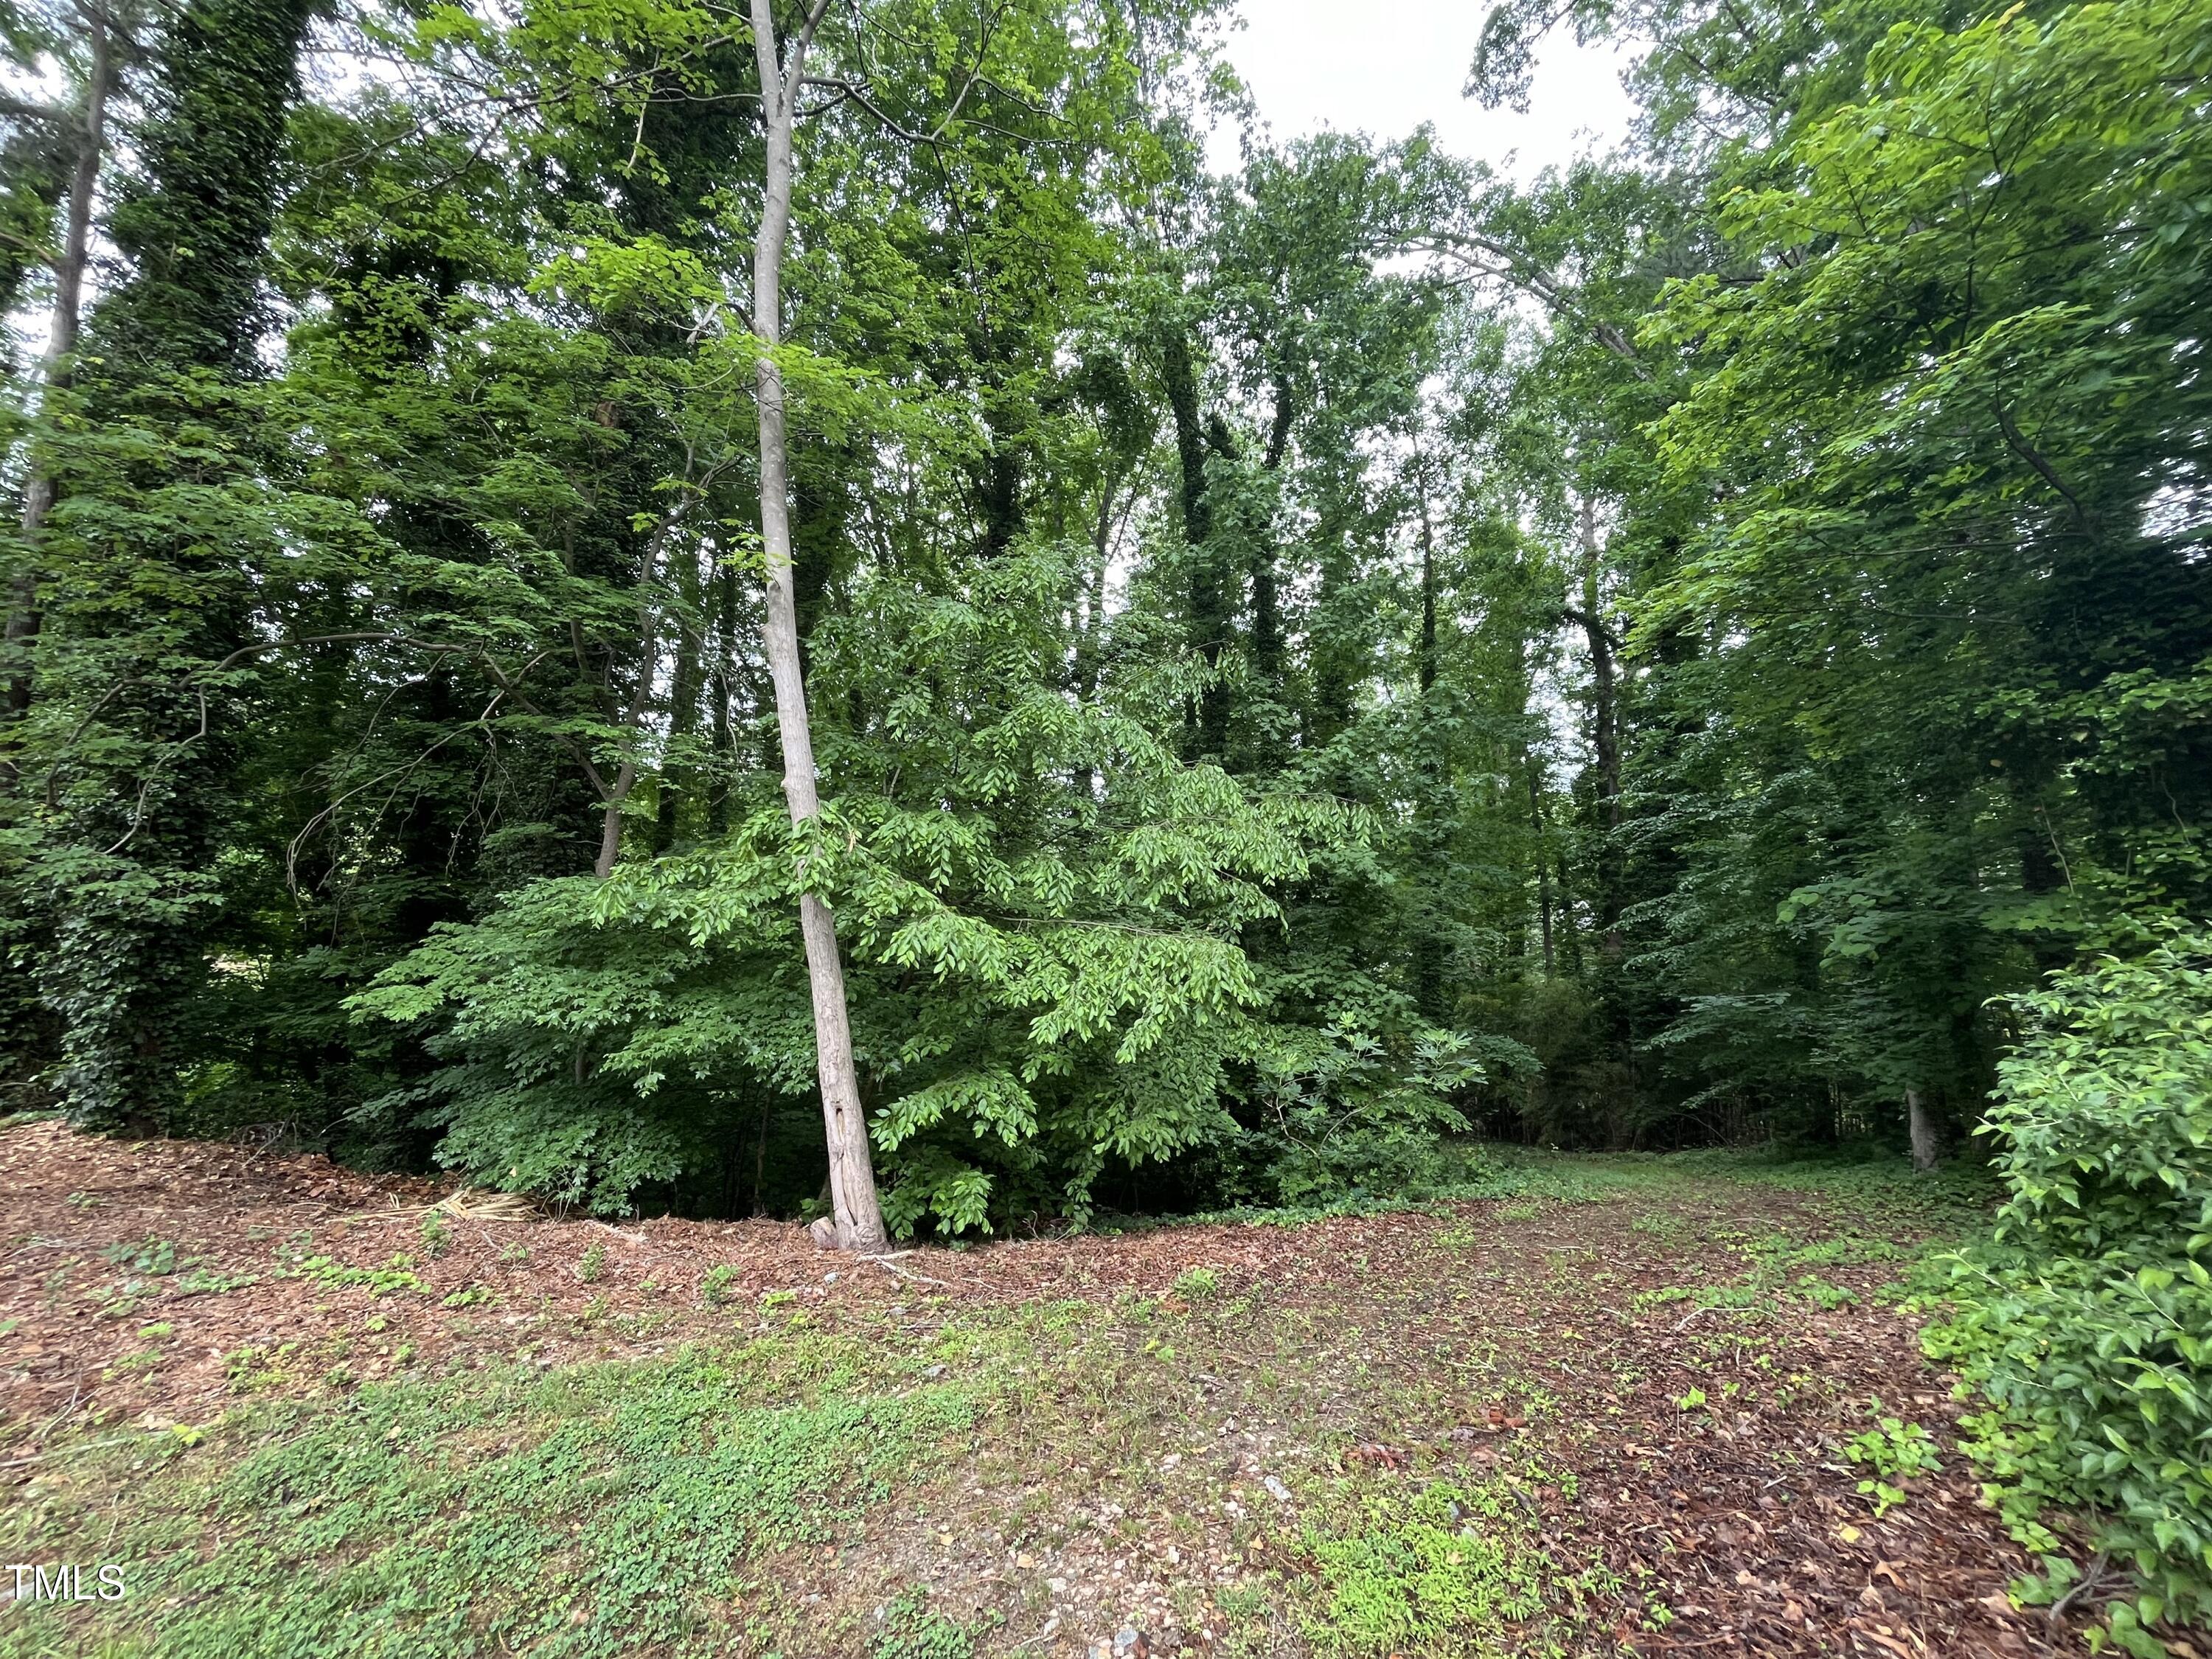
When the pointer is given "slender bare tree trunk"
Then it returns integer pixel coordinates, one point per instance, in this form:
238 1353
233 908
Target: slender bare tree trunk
1604 719
1605 729
1921 1125
38 489
1543 865
858 1217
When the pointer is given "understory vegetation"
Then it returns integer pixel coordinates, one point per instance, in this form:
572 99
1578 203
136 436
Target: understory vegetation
712 611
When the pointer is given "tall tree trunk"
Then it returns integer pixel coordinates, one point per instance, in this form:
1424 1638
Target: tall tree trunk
723 689
1920 1124
1604 729
652 612
858 1214
676 770
38 489
1543 864
1615 994
1428 663
1182 378
1267 583
1428 944
1088 614
1207 723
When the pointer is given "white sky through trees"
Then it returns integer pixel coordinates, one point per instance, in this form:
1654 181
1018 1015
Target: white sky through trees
1387 66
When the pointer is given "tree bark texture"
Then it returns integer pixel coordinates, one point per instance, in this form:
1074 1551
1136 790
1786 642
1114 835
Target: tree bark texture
858 1215
1920 1123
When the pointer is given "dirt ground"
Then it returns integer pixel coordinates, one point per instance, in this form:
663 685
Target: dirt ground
1691 1383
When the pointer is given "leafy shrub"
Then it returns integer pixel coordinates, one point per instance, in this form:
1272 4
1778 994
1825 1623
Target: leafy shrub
398 1274
593 1264
1035 994
1363 1104
154 1255
2085 1323
1045 996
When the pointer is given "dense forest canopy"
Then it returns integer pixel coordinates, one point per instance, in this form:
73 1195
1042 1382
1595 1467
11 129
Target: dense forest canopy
1300 664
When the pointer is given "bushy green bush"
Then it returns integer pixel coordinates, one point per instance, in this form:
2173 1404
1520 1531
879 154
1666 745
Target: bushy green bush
2085 1323
1041 988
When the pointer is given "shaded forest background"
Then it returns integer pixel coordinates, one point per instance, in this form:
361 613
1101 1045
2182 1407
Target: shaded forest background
1307 665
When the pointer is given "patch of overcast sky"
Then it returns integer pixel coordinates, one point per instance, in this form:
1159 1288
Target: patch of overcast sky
1386 67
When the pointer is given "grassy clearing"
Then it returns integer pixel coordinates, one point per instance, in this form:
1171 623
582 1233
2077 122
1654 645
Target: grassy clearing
583 1511
1406 1438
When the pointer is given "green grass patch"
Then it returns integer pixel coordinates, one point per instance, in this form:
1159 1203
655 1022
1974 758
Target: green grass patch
595 1509
1451 1570
912 1631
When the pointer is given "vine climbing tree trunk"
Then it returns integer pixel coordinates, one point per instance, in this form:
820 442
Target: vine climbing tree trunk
151 610
858 1215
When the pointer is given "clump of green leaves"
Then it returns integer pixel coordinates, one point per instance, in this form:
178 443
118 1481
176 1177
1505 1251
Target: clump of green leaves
1824 1293
1892 1451
593 1263
152 1256
1197 1283
205 1281
396 1273
2085 1323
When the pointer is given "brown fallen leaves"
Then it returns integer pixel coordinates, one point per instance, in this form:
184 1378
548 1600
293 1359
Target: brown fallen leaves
1740 1521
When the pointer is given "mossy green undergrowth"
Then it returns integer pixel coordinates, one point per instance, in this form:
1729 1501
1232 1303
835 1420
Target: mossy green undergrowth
602 1507
1453 1569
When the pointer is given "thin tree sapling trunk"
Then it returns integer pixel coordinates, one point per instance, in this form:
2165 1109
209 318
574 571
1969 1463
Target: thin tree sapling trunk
1543 865
38 489
858 1215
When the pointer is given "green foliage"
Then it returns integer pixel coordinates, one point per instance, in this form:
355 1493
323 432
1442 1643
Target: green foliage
1892 1451
1197 1283
2082 1323
398 1274
1449 1574
1038 984
156 1256
1901 776
480 1515
1305 666
911 1631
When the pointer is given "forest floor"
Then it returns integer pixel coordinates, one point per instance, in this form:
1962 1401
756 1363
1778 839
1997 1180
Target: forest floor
1608 1413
